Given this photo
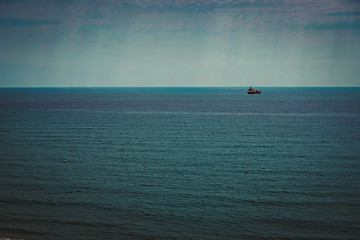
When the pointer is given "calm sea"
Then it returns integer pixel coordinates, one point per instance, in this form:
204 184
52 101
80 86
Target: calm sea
179 163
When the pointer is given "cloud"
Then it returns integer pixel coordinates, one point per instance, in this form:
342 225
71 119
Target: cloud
20 22
337 26
344 14
143 39
12 1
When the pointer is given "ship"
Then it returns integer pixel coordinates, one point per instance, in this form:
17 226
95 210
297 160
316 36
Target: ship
253 91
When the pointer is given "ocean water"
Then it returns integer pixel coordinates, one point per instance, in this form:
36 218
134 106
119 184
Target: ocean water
179 163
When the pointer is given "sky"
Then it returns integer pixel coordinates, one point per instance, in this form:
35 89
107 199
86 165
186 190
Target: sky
179 43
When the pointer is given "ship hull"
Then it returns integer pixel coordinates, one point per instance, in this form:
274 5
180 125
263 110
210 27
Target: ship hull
257 92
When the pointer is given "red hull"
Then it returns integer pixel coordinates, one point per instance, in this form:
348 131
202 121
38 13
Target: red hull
257 92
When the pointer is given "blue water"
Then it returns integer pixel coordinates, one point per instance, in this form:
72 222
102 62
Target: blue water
171 163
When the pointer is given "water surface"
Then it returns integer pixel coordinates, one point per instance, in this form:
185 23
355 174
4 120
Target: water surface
170 163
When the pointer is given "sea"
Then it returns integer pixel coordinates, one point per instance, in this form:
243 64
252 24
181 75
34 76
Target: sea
179 163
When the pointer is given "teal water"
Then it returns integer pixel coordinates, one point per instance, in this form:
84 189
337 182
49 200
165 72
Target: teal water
171 163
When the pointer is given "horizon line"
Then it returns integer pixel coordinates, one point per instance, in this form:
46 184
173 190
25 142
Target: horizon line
181 87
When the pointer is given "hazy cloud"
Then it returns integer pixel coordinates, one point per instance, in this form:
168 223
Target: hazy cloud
18 22
164 41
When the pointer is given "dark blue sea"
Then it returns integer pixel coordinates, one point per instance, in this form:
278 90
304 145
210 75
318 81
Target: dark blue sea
179 163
